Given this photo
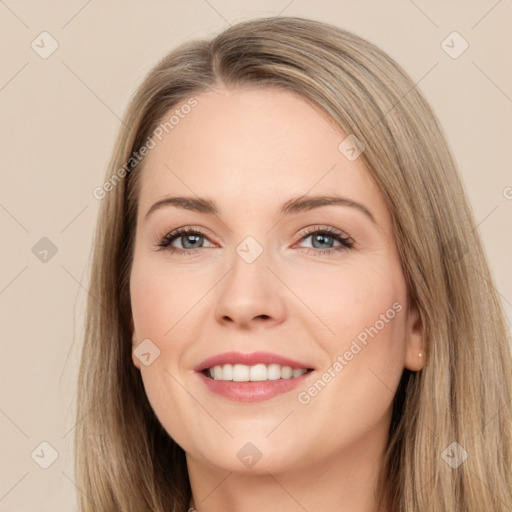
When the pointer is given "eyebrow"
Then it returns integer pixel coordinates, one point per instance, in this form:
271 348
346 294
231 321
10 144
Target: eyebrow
293 206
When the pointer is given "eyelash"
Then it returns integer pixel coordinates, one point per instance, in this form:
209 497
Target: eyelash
345 240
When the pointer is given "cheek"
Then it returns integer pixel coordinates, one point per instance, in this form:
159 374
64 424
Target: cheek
365 357
162 297
363 302
365 310
161 305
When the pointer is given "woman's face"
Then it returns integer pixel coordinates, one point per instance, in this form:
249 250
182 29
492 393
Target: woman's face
272 269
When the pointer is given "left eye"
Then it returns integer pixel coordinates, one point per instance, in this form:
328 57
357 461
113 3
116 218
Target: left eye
322 240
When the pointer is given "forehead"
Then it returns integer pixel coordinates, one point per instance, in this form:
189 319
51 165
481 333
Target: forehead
251 147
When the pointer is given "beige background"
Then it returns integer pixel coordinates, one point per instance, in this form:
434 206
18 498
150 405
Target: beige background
59 119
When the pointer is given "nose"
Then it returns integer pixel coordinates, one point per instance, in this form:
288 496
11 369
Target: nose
250 295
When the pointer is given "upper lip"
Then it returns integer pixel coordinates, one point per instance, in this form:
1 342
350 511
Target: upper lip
250 359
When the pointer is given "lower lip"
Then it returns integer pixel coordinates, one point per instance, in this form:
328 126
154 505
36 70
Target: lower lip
252 391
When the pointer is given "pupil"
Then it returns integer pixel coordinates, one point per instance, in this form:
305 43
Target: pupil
322 238
189 239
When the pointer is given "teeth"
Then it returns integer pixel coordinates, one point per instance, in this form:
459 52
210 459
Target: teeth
258 372
240 372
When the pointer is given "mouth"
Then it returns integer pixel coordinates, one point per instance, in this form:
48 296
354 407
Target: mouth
252 377
254 366
255 373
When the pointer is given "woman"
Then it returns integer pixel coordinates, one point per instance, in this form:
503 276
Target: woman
290 308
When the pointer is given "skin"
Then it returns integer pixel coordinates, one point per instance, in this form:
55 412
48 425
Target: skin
250 150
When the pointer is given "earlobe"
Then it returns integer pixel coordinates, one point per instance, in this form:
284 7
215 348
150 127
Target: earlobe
415 347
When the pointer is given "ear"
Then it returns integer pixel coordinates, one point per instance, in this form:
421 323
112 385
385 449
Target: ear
414 340
135 360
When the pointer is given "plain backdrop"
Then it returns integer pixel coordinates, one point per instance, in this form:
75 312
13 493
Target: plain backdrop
60 113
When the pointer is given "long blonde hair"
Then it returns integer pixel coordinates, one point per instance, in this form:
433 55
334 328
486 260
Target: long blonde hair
126 461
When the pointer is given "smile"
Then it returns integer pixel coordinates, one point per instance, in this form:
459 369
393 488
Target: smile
258 372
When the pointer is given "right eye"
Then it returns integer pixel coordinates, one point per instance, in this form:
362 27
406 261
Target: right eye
190 240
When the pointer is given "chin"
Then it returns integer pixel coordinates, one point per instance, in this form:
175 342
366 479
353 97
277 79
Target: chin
245 456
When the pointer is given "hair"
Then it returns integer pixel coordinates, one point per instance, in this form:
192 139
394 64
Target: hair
126 461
